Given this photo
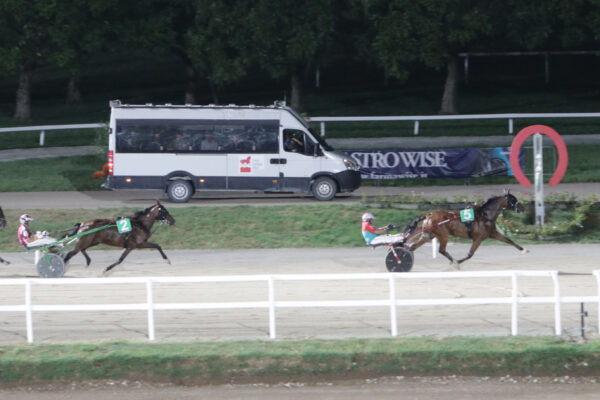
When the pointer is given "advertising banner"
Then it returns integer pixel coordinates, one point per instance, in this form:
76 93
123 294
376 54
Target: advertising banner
434 163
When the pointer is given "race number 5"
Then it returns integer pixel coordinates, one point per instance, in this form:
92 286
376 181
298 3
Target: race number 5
124 225
467 215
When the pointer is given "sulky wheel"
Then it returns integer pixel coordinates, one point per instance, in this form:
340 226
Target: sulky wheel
50 266
404 262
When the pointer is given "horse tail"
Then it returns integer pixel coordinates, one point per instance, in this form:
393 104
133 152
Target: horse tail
72 231
410 228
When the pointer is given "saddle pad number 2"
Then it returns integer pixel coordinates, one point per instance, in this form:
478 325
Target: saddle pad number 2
467 215
124 225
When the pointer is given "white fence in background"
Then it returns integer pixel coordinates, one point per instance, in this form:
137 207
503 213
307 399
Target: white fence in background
272 304
44 128
418 118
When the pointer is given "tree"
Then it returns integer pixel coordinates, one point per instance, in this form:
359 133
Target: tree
80 30
431 32
217 42
288 37
24 45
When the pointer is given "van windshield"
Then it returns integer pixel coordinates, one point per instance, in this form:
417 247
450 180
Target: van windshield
315 134
321 140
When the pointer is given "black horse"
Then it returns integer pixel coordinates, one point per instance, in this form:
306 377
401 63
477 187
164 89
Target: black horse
141 224
444 223
2 225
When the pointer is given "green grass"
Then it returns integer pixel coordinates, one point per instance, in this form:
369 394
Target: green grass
52 174
299 360
256 227
239 226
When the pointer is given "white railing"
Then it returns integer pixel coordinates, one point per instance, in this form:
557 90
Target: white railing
418 118
44 128
271 304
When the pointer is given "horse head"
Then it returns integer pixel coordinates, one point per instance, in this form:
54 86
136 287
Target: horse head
512 203
161 214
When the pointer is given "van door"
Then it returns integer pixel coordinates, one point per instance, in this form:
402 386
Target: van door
252 171
299 161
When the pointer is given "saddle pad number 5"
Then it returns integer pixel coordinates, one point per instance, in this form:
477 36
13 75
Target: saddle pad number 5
124 225
467 215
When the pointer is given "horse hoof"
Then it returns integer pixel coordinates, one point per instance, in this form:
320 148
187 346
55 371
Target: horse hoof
524 251
168 261
6 262
107 272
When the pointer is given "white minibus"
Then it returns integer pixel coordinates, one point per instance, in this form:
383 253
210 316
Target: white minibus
184 148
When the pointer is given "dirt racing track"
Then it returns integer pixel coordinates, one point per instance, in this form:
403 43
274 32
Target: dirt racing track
576 261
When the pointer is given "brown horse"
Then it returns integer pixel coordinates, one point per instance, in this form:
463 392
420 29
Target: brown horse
2 225
444 223
141 224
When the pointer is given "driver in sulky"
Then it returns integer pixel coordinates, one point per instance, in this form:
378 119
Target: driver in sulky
375 236
29 240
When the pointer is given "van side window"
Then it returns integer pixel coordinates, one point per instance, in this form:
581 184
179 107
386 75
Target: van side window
197 136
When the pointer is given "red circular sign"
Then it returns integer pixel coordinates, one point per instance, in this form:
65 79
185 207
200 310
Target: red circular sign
563 156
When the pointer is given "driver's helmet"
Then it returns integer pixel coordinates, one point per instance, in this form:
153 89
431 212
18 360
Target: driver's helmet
25 218
367 216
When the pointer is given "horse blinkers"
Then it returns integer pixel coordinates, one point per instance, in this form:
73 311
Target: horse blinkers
513 204
164 216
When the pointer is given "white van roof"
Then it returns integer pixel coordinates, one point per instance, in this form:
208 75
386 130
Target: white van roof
276 105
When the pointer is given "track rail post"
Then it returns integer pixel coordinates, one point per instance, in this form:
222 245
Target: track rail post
514 305
272 327
557 313
393 315
28 312
150 304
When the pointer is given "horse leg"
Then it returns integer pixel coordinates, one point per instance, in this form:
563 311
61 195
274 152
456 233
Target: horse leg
442 251
472 250
88 260
498 236
2 260
149 245
70 254
119 261
425 237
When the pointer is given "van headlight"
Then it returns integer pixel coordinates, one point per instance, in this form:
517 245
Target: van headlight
351 164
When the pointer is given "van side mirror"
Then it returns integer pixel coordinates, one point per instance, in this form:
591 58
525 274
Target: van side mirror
317 150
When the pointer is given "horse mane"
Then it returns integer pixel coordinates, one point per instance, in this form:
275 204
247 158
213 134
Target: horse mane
489 208
138 214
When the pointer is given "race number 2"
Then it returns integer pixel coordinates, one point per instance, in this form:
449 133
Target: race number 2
124 225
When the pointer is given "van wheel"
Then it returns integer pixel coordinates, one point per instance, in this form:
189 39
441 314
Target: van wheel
180 191
324 189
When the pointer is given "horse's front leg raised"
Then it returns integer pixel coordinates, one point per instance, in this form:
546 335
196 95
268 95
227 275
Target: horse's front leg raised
498 236
149 245
119 261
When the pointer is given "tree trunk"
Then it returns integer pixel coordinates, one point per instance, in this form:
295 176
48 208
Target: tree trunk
23 100
451 87
190 89
296 96
214 92
73 93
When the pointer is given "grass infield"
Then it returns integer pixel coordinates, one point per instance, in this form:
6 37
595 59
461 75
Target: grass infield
198 363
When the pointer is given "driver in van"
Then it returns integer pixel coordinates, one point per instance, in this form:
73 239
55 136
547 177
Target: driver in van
292 143
27 239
